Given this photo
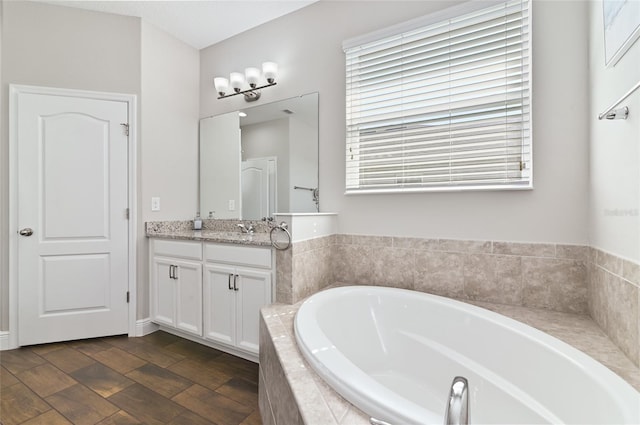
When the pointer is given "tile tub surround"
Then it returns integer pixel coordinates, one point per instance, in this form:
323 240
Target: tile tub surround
304 269
556 277
614 299
290 392
549 276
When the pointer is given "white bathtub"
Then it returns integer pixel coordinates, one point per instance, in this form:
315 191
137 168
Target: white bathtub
393 353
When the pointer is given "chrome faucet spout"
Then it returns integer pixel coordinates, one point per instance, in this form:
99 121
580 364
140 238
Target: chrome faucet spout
245 229
457 412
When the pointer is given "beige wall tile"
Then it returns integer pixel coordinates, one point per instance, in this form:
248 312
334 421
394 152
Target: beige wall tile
311 272
313 244
266 413
597 295
282 296
282 401
316 411
416 243
338 405
554 284
440 273
283 276
354 416
352 264
631 272
494 278
372 240
343 239
622 316
525 249
471 247
593 253
391 267
575 252
300 247
609 262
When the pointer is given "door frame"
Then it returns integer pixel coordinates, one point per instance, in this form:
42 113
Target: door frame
15 90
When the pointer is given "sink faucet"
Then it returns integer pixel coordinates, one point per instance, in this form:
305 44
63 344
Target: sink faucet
457 411
245 229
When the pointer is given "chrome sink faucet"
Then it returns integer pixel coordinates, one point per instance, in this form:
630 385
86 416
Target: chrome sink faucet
245 229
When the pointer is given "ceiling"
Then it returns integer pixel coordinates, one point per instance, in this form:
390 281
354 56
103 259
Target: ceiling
197 23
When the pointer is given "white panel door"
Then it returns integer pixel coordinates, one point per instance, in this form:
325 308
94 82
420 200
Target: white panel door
254 292
163 292
219 304
255 189
72 198
188 301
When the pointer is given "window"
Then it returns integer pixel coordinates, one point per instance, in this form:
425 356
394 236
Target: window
442 105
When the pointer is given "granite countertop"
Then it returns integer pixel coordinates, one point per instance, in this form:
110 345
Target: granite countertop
213 230
255 239
580 331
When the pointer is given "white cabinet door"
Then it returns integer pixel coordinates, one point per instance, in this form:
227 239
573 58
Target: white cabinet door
219 303
254 292
163 292
188 300
176 294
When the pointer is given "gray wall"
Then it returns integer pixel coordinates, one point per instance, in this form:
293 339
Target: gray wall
46 45
615 148
63 47
167 162
307 45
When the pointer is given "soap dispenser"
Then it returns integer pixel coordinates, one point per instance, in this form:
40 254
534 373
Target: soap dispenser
197 222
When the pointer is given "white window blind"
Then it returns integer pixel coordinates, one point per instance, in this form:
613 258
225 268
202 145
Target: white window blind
442 107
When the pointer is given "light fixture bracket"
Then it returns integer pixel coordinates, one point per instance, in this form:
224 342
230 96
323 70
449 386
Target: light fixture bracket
250 95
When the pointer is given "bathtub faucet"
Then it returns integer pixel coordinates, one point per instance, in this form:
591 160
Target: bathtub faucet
457 412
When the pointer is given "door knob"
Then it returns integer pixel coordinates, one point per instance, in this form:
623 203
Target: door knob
26 231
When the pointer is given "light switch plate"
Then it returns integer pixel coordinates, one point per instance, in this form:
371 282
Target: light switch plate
155 204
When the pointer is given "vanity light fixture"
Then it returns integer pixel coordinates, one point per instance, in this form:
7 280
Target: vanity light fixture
252 77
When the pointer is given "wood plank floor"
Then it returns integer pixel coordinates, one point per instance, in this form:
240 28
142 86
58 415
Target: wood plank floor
156 379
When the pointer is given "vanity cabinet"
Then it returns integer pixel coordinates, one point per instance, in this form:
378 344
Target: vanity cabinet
211 292
237 285
176 289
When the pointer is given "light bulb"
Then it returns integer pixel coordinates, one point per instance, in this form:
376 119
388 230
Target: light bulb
252 75
222 85
237 79
270 71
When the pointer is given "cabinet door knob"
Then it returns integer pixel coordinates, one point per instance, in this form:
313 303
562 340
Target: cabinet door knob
235 282
230 287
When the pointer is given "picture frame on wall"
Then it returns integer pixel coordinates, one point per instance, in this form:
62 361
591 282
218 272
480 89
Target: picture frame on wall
621 20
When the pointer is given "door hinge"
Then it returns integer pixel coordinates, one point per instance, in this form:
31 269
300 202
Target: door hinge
126 213
126 128
127 296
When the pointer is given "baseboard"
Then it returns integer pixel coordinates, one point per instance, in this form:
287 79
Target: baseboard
145 327
4 340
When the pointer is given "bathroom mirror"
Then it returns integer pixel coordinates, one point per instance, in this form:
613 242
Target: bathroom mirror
260 160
